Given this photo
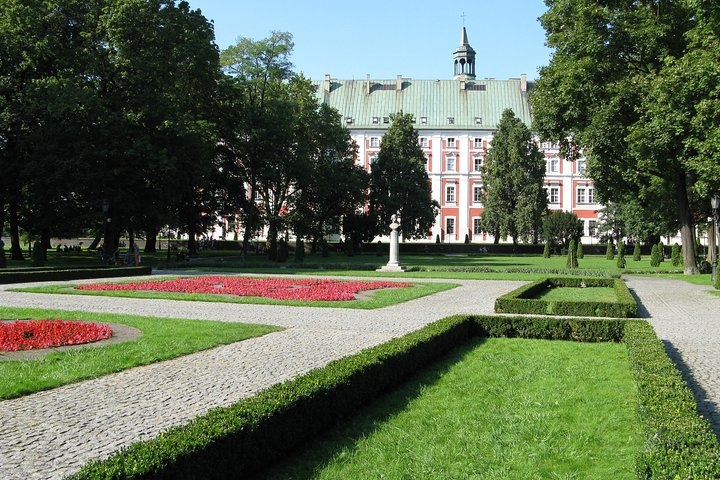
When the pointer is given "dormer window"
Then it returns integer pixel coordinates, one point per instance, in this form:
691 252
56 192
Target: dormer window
375 120
423 120
451 142
451 120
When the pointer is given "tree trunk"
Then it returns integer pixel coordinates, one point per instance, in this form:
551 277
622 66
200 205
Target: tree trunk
686 227
271 242
109 245
45 242
3 263
15 232
96 240
151 234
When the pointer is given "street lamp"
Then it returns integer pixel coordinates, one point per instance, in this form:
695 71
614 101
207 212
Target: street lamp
107 251
715 203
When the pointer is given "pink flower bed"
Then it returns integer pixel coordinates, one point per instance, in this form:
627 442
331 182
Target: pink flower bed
38 334
276 288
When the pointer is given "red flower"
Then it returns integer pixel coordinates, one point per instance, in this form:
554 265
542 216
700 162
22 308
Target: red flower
36 334
276 288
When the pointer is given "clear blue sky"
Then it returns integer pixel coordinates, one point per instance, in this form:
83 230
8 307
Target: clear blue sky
385 38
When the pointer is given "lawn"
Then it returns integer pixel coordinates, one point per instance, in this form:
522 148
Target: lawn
576 294
162 339
376 299
494 409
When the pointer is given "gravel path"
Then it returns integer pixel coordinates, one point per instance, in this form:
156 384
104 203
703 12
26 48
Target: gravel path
51 434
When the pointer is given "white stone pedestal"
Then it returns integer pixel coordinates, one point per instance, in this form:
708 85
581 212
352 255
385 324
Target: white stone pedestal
393 264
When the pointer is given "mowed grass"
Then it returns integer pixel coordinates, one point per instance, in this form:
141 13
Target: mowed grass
162 339
376 298
577 294
493 409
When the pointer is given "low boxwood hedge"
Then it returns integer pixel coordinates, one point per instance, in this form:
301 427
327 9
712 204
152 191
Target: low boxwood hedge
521 299
233 441
46 275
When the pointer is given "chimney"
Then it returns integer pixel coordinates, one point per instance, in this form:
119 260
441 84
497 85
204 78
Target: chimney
326 83
398 85
367 85
523 83
462 79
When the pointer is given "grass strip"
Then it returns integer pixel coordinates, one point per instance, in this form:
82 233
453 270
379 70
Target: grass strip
53 274
162 339
378 299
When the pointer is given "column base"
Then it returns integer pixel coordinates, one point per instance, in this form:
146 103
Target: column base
391 268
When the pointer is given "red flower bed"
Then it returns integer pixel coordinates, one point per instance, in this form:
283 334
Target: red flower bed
37 334
276 288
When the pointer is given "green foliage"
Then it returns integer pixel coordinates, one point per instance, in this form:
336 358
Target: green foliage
38 255
572 256
621 255
655 256
636 252
580 253
661 252
513 175
299 254
399 183
609 252
678 442
546 250
717 281
522 300
676 255
560 227
55 274
282 251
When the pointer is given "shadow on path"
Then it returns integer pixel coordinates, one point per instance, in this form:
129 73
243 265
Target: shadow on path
706 406
642 310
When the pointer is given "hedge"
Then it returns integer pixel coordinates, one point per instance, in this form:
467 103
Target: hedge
45 275
521 299
252 433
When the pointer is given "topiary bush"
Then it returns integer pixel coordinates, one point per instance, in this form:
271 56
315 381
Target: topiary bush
661 251
580 253
717 281
546 250
676 255
621 255
636 252
655 256
38 255
572 256
609 254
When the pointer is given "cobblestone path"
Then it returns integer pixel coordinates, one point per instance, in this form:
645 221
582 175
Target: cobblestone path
687 320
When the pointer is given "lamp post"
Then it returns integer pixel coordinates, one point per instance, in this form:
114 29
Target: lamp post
107 250
715 203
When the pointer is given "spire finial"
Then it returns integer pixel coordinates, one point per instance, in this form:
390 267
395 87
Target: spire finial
463 19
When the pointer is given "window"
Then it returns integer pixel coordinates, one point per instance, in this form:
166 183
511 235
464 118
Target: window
451 163
450 194
374 142
423 120
451 120
581 195
554 165
591 195
348 120
478 121
553 194
386 119
450 226
585 195
477 229
581 166
427 162
372 159
451 142
478 144
477 194
424 142
477 163
592 228
376 120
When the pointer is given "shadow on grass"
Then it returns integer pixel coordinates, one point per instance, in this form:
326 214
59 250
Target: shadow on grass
308 461
707 407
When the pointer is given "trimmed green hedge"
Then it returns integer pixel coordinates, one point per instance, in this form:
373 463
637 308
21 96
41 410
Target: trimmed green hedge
233 441
46 275
521 299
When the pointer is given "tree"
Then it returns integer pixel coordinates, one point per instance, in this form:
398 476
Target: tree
580 253
512 180
632 83
636 252
572 259
621 255
609 252
399 183
560 227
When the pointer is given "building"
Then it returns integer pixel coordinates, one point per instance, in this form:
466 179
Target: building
456 120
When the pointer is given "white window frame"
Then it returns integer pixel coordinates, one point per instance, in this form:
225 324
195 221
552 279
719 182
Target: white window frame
553 189
477 229
451 142
448 230
581 166
477 167
454 163
450 193
478 143
477 194
372 159
591 194
374 142
580 196
424 142
554 165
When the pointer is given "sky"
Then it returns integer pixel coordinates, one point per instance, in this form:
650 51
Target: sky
415 39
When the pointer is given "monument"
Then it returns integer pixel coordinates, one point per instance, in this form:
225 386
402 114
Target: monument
393 264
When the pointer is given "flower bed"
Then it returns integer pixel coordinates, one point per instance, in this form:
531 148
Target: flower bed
38 334
275 288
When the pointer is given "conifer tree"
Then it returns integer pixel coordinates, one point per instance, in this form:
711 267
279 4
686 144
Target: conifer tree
546 250
655 256
636 252
580 253
572 256
676 255
609 254
621 255
661 252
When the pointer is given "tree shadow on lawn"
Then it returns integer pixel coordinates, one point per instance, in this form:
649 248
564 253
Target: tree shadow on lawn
305 462
706 406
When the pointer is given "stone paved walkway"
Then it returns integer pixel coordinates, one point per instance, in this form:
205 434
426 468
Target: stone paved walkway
51 434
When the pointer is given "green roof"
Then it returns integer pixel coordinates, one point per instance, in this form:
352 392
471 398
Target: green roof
478 106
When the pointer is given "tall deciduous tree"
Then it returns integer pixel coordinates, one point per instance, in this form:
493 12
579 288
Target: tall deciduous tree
399 183
636 84
512 180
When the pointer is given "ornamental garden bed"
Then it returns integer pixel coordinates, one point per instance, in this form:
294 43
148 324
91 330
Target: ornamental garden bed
18 335
669 440
159 339
591 297
237 289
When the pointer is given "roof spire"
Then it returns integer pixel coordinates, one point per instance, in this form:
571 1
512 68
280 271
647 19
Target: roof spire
464 58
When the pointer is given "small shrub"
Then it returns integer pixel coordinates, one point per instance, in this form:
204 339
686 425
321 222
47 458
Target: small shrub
676 255
609 254
655 256
636 252
717 281
546 250
282 251
572 256
437 238
467 238
580 253
621 255
661 251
